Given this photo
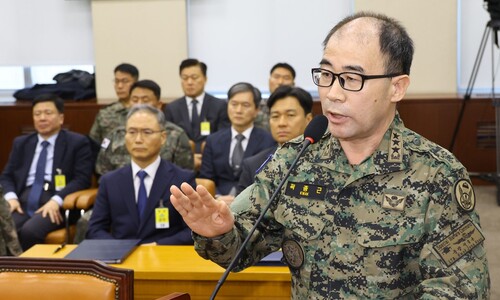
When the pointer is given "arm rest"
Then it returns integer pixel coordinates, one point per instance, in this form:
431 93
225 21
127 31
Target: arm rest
86 199
71 199
175 296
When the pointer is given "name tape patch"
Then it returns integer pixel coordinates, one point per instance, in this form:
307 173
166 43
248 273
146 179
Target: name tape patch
305 190
459 242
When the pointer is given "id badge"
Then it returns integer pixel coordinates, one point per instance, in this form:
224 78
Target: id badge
205 128
60 182
161 218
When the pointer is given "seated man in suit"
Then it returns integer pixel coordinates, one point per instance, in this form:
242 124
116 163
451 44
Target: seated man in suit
290 111
42 169
176 149
280 74
198 113
225 149
113 115
133 202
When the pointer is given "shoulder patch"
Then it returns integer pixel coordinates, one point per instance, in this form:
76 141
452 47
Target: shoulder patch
459 242
464 195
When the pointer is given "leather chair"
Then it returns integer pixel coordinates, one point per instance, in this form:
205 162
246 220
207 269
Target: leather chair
81 200
49 278
208 184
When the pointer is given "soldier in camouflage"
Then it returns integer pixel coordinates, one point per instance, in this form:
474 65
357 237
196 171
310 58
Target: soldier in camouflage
115 114
384 213
9 241
114 154
281 74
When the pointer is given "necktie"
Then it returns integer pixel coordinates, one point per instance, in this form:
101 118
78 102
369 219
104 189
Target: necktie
142 196
195 119
36 188
238 154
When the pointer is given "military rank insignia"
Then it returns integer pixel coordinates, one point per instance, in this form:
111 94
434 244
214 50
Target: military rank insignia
293 253
305 190
464 195
394 202
459 242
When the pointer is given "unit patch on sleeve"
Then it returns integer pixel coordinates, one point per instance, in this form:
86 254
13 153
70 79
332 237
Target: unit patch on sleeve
305 190
459 242
464 195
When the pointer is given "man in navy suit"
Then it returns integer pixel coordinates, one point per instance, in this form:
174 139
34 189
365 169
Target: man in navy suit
133 202
198 113
242 139
290 111
67 168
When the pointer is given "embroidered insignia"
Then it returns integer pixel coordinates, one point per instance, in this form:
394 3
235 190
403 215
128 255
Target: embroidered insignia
395 149
465 196
305 190
394 202
459 242
293 253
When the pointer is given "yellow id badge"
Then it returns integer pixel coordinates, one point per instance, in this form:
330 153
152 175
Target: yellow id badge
60 182
205 128
161 218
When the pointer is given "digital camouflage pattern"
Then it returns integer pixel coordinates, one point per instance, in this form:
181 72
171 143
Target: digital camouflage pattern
368 231
176 150
262 118
9 242
107 119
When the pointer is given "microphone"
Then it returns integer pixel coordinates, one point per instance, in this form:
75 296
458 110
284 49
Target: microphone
313 132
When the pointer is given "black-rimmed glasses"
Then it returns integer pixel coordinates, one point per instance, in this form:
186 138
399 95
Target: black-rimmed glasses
349 81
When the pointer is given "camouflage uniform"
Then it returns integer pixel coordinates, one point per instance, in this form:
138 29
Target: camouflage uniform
9 242
262 119
176 150
400 225
107 119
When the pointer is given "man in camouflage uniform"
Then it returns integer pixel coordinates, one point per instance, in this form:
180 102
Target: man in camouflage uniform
9 241
115 114
281 74
114 154
384 213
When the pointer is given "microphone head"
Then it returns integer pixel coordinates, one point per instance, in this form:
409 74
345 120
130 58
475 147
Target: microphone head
316 128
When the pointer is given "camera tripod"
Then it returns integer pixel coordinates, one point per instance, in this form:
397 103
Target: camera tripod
491 29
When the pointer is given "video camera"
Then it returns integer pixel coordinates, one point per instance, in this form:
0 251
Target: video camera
493 7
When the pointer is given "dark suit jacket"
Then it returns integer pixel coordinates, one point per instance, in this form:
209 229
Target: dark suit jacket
214 110
250 166
116 216
72 155
215 162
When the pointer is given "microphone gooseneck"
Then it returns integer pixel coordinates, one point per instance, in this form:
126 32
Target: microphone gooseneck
313 132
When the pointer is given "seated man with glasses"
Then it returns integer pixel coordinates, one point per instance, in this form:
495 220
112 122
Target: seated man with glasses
113 153
373 210
130 200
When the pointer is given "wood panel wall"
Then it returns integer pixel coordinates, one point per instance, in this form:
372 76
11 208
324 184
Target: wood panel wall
434 118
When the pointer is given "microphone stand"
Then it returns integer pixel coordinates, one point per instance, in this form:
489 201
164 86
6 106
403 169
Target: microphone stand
235 259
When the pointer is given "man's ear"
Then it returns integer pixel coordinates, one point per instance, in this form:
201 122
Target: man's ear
399 86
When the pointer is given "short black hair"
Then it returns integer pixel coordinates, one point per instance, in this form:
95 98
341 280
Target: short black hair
129 69
284 66
241 87
58 101
192 62
305 99
147 84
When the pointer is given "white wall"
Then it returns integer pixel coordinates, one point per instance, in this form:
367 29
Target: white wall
241 40
45 32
